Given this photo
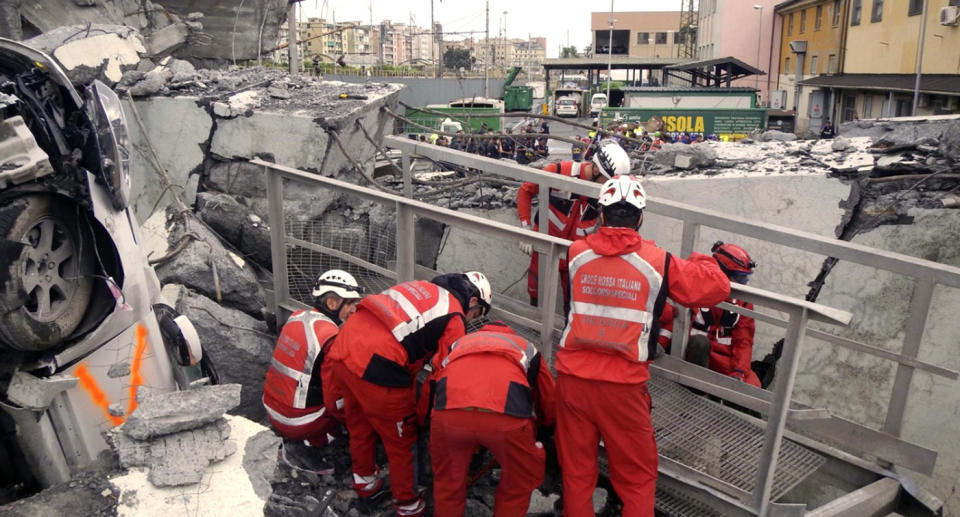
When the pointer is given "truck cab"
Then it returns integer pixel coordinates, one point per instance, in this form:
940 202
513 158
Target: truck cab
597 103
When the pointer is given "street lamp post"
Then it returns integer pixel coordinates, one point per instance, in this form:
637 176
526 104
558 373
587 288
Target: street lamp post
759 33
923 36
610 52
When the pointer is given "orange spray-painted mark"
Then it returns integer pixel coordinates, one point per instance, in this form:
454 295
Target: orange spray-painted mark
136 379
88 383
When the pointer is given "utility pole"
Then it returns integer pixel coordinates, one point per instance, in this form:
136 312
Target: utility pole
486 60
923 36
433 38
610 53
292 29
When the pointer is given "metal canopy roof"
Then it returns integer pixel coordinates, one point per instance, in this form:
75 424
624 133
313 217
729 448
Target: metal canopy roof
712 72
943 84
599 62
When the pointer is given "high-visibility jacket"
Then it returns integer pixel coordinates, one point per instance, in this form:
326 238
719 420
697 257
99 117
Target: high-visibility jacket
416 318
571 216
293 391
730 335
615 302
505 385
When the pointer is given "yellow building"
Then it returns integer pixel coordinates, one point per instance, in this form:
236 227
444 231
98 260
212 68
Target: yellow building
811 45
880 66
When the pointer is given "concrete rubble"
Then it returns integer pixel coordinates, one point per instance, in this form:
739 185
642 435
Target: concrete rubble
176 435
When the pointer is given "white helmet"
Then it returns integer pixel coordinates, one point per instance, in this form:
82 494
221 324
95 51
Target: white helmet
611 160
338 282
479 280
623 188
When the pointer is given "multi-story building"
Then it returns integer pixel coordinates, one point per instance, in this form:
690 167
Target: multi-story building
320 39
637 34
743 30
880 67
530 54
811 44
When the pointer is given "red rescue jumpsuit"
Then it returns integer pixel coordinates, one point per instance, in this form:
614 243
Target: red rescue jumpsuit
373 362
571 217
731 340
491 391
619 284
293 392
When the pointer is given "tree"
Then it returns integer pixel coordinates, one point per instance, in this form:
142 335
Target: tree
455 58
570 51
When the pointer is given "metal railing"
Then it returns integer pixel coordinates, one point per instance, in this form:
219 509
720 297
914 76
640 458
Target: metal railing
776 405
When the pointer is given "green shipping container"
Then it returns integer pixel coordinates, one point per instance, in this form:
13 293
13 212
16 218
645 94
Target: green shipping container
472 118
518 98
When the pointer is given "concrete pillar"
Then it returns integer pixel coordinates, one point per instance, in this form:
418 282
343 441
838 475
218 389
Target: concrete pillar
10 20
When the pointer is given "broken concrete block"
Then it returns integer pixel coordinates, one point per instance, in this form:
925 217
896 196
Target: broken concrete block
195 16
89 52
475 508
599 500
777 136
950 142
232 220
119 369
116 409
540 503
239 345
165 413
179 458
152 82
683 161
260 461
205 264
238 104
697 155
181 70
840 144
163 41
279 93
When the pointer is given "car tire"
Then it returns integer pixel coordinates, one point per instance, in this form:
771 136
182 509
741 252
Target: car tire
46 278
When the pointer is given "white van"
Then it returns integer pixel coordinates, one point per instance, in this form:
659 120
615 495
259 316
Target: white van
597 102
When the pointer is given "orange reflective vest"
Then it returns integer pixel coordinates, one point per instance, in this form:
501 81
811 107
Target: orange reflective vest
616 301
291 394
571 216
506 388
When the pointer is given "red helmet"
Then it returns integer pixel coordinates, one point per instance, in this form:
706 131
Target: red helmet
732 258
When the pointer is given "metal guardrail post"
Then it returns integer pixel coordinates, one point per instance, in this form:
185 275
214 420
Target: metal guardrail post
913 333
776 421
406 254
407 174
549 301
543 219
681 323
278 242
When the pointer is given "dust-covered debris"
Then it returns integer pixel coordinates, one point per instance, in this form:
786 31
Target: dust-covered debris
165 413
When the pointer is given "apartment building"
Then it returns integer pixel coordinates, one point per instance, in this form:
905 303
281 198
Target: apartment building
637 34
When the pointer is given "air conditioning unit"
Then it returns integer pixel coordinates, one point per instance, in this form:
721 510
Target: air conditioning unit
950 15
778 99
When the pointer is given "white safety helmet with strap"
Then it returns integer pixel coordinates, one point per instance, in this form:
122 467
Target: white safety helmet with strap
611 160
479 280
338 282
623 188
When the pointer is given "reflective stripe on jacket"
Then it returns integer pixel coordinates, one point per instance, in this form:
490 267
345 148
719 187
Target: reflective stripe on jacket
291 393
616 301
489 370
570 216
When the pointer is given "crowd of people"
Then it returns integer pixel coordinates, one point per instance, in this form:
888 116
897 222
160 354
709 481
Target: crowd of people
525 143
387 367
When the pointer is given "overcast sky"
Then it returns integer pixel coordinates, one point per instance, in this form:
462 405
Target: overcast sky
558 20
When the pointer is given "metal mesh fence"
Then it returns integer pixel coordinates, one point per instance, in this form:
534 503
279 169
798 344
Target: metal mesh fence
673 503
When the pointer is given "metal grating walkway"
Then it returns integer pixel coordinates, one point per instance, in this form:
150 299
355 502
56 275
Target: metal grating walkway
697 432
671 502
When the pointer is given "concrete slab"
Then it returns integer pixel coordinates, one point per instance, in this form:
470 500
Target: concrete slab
178 128
165 413
225 490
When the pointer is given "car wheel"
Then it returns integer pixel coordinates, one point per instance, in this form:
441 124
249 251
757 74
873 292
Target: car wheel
46 276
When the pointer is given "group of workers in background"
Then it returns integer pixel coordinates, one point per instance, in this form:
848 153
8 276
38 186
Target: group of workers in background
387 365
524 143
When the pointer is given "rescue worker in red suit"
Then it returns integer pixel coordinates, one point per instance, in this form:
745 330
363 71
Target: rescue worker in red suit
619 284
374 360
722 340
493 389
293 391
571 217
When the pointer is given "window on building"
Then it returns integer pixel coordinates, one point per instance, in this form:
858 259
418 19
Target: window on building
955 3
855 15
803 21
832 64
661 38
643 38
915 7
814 70
876 13
849 108
837 7
677 39
786 66
818 20
790 24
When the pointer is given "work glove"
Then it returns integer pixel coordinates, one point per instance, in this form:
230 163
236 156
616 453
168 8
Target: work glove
526 248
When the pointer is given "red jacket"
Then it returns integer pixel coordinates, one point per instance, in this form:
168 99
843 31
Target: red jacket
496 371
394 333
610 334
293 392
571 216
730 335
